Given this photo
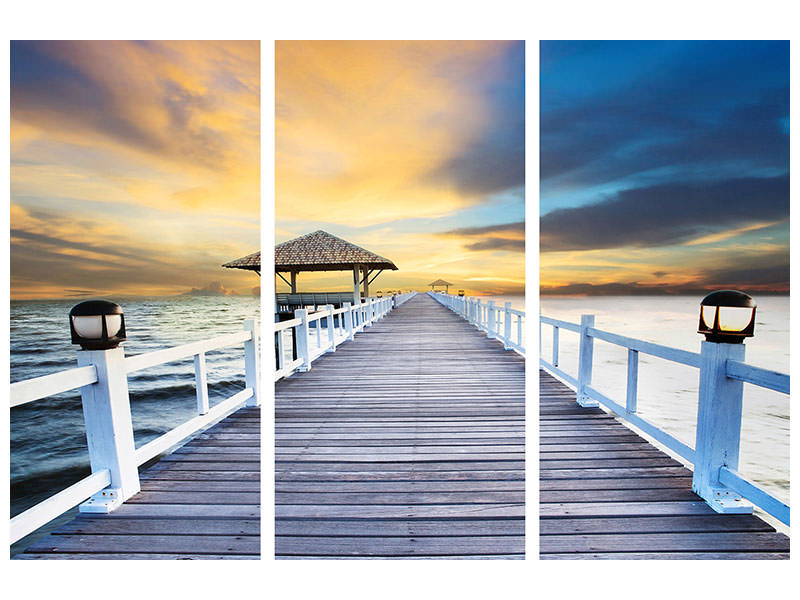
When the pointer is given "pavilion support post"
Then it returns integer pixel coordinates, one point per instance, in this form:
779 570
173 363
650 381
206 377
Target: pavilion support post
356 285
294 282
366 282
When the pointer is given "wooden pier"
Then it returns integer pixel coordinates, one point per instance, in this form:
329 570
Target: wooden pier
200 502
607 493
405 443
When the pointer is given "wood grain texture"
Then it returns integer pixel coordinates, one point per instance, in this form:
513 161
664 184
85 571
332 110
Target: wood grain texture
201 502
606 493
405 443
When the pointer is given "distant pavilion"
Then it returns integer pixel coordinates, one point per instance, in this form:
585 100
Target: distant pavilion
440 283
321 251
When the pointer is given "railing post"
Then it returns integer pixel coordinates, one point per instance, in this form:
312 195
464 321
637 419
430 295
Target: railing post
633 381
201 383
478 314
507 326
331 330
719 423
252 371
555 346
303 342
109 428
491 318
585 357
348 320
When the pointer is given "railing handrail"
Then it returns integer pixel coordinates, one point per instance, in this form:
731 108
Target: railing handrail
486 317
742 371
109 430
352 319
36 388
715 456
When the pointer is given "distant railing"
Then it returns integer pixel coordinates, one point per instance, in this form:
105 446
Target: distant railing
103 380
498 323
715 456
341 325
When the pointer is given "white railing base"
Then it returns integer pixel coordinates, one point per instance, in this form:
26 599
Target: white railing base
103 502
586 402
727 501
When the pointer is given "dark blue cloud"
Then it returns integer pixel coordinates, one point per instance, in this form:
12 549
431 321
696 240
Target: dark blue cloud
665 214
611 110
495 161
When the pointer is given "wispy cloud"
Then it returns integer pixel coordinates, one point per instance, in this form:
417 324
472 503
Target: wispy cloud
388 144
134 165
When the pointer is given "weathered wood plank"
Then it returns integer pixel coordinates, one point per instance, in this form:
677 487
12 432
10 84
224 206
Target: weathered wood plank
201 502
407 442
399 546
608 494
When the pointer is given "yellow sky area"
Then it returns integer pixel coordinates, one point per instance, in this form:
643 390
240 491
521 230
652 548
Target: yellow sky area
52 253
668 266
135 167
175 120
422 258
361 126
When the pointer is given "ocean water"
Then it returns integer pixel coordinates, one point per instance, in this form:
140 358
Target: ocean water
667 390
48 441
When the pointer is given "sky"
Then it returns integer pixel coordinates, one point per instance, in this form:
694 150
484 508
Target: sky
664 167
412 150
134 167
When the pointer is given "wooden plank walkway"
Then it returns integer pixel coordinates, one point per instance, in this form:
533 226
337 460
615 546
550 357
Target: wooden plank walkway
405 443
200 502
605 492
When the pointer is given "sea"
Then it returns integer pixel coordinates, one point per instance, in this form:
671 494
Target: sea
668 391
48 440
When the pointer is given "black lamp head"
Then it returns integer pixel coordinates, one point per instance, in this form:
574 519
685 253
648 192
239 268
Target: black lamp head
727 316
97 325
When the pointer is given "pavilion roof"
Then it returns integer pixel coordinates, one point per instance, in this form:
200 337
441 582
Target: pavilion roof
251 262
440 282
321 251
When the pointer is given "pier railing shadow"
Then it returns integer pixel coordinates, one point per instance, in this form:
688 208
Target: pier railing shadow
341 325
102 377
722 370
500 323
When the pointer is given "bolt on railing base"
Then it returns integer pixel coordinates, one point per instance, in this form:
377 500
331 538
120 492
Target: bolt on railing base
103 502
726 501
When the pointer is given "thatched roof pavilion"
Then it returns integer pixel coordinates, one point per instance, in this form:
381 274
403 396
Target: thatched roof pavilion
440 283
321 251
251 262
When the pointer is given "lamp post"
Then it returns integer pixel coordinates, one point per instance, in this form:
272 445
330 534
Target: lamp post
98 326
726 318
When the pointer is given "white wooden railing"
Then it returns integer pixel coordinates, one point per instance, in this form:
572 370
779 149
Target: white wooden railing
341 325
501 323
102 379
722 369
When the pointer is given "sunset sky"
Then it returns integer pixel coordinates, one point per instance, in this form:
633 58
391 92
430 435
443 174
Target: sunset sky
134 167
413 150
664 167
